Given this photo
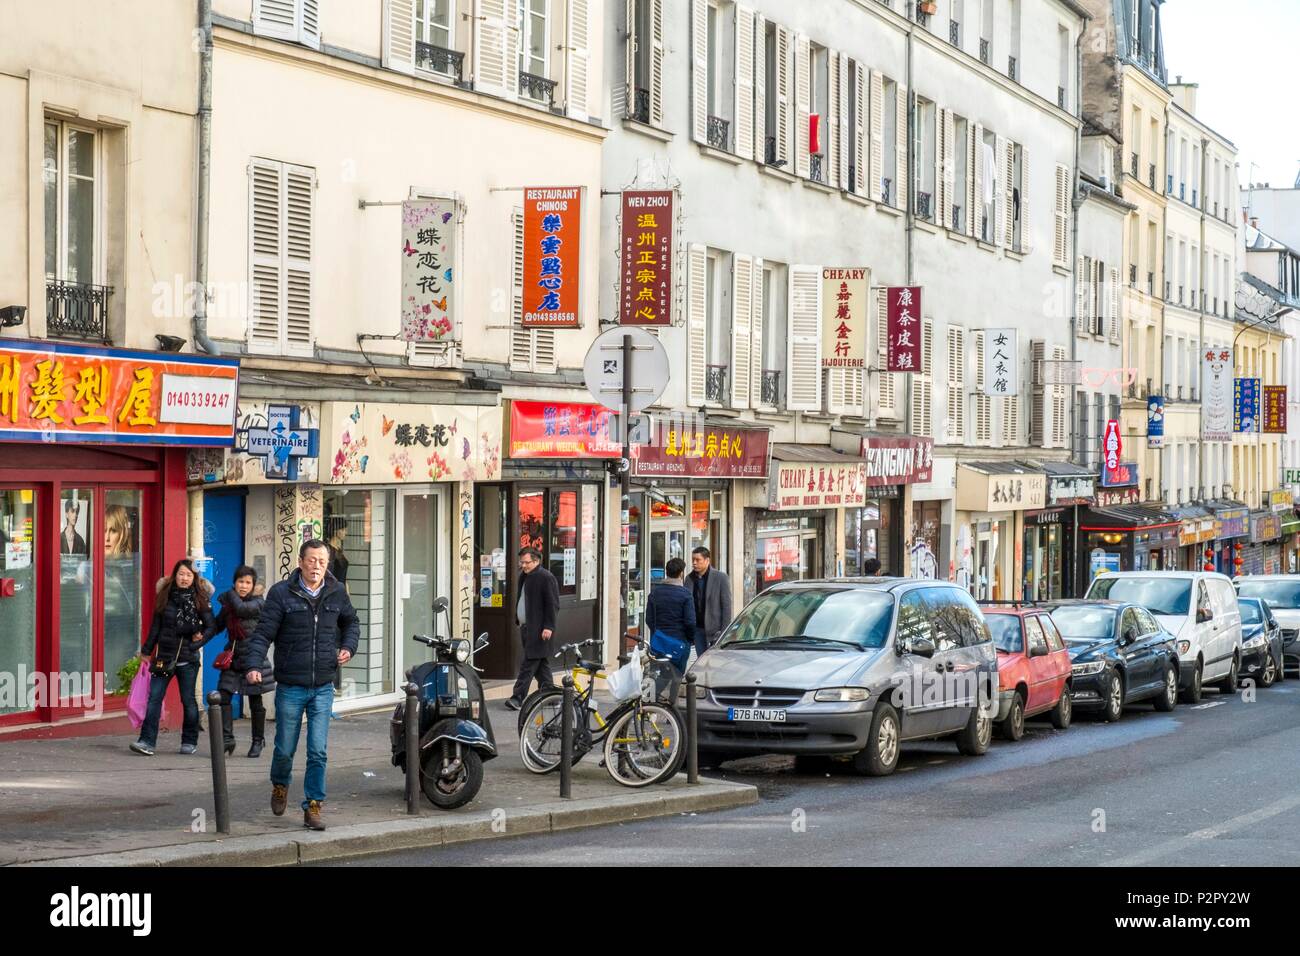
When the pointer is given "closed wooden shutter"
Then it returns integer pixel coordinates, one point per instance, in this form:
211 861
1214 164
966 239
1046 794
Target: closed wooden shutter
1113 296
657 63
311 24
886 387
861 137
956 384
744 141
697 317
760 88
756 337
983 413
900 146
277 19
578 59
802 105
1061 217
300 192
699 71
399 35
877 123
496 48
922 384
742 307
804 357
265 267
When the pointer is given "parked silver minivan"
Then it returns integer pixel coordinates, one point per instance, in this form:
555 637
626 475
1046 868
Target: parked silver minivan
849 667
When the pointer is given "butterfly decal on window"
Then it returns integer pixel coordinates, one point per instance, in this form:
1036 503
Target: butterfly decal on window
388 423
356 414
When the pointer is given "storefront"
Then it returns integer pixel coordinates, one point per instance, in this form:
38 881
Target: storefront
876 529
1128 537
1263 554
992 498
92 511
1044 574
1290 542
1231 535
1195 532
1051 539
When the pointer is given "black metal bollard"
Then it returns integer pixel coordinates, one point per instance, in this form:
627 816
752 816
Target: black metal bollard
412 718
566 739
220 792
692 738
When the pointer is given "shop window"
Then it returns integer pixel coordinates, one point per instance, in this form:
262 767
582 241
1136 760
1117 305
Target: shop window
122 584
492 529
18 542
549 522
788 549
370 550
76 581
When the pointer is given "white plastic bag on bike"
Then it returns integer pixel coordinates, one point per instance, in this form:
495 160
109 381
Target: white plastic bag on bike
625 683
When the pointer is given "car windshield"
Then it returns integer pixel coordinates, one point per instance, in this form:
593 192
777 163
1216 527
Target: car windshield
1085 622
1250 613
1283 594
813 618
1006 631
1157 595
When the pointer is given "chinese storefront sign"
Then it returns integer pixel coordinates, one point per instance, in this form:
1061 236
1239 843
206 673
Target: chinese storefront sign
689 450
428 254
378 443
1071 490
797 487
1245 405
1275 409
647 258
1155 421
978 491
1120 475
1281 502
1110 497
1112 445
1000 365
74 393
561 430
552 251
898 461
1232 524
903 328
844 318
1265 528
1216 394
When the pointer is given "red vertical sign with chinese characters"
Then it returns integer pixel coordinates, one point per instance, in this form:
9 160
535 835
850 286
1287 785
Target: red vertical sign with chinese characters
903 317
1275 409
1112 445
646 258
552 251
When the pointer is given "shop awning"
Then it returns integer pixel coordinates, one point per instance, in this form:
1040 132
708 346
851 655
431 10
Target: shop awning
812 454
1067 483
1127 518
993 486
808 477
1290 522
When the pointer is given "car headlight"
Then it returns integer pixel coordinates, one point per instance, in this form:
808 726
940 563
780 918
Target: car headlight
1253 643
1087 668
700 691
461 649
1184 647
841 695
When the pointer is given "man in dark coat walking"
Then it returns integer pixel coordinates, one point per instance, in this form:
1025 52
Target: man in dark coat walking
711 591
315 630
539 599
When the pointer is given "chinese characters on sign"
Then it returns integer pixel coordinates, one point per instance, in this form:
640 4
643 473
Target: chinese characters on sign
561 430
903 328
688 449
1000 365
1245 405
428 252
60 394
1275 409
647 258
1216 394
552 250
797 487
844 318
408 443
898 461
1112 445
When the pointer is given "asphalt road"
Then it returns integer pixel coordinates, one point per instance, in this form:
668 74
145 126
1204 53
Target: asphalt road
1212 785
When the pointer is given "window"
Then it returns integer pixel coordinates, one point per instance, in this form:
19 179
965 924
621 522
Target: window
71 173
281 206
1012 61
1054 640
961 173
923 154
1036 640
774 312
820 107
956 384
1063 61
923 382
714 75
433 22
889 191
645 58
532 22
531 350
982 404
986 32
776 95
295 20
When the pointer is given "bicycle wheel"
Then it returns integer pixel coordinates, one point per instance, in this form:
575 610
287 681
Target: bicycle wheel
541 729
645 745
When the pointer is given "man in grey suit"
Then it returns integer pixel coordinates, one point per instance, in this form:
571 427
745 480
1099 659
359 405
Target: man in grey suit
711 590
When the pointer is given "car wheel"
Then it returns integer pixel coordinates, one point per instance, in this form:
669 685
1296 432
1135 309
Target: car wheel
1168 698
880 756
1193 694
1269 677
973 739
1063 712
1013 727
1114 697
1229 684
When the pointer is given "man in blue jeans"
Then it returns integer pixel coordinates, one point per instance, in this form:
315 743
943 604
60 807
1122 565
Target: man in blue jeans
314 628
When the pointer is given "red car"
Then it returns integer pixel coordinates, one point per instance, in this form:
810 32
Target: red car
1033 668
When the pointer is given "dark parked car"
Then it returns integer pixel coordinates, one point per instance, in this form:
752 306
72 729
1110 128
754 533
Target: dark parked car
1120 654
1281 592
1261 642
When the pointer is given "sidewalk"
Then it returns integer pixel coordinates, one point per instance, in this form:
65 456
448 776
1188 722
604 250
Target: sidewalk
92 799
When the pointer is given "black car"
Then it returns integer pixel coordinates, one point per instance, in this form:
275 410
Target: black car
1261 642
1119 654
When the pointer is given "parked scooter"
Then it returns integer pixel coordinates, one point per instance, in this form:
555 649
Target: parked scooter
455 732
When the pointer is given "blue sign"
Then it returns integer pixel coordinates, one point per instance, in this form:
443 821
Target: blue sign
1102 562
282 442
1245 404
1155 421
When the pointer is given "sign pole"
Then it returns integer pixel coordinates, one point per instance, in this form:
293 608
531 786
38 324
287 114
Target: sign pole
625 512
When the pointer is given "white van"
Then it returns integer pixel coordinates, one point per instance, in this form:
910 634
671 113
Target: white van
1199 608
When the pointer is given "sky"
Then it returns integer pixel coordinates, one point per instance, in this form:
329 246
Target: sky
1244 55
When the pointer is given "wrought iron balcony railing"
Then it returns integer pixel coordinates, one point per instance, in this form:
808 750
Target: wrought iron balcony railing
1151 176
715 383
1133 275
438 59
1133 165
771 387
954 33
537 87
1011 67
924 207
769 151
958 219
641 106
984 51
886 185
76 310
1060 97
719 133
817 167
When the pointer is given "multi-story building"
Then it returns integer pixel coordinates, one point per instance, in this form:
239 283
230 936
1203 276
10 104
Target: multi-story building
848 136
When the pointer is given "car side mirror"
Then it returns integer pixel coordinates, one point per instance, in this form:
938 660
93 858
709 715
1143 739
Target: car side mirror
1127 638
1038 650
920 646
1204 614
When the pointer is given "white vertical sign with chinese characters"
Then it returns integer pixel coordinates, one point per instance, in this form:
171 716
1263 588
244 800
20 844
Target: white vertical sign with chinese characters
1001 367
844 318
428 253
1216 394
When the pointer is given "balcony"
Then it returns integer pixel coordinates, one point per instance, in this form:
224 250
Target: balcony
958 219
1151 176
1011 68
1182 191
1060 97
817 167
74 310
771 387
1216 209
715 383
438 59
719 133
1169 183
1180 295
853 178
641 106
1133 275
537 88
924 206
1169 290
1214 308
769 152
1133 165
1194 203
886 185
1193 298
1151 283
984 51
954 33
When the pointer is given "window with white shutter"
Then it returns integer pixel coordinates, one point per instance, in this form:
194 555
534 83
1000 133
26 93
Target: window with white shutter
531 350
1002 230
974 188
956 428
700 71
1060 400
979 192
697 319
802 105
860 136
1113 297
496 48
900 147
1022 230
804 356
947 169
784 95
762 129
1039 406
843 121
577 60
297 21
281 200
923 384
1082 323
399 36
1061 217
982 410
875 123
744 138
886 382
742 310
757 324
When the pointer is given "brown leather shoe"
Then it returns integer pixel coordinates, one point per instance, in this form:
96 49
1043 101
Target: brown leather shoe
279 799
311 816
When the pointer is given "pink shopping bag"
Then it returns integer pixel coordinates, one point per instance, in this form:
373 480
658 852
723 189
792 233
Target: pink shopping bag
138 702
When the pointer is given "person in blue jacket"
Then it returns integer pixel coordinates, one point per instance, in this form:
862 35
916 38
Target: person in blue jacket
670 608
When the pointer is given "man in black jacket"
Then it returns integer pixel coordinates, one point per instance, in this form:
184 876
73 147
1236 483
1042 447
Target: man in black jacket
315 630
539 599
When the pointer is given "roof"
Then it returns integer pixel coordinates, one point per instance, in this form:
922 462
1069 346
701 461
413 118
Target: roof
1062 469
1002 467
1130 516
812 454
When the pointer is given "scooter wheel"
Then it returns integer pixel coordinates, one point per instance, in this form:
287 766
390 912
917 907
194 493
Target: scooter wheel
450 792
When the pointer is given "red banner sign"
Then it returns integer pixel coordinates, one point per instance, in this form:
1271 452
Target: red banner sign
1112 445
77 393
898 461
903 316
647 258
562 430
1275 409
686 450
552 250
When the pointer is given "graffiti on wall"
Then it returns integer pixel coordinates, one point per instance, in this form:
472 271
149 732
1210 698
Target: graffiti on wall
465 529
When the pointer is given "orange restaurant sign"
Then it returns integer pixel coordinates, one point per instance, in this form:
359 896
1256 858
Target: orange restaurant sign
74 393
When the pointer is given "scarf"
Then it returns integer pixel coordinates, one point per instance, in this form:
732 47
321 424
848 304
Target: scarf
187 615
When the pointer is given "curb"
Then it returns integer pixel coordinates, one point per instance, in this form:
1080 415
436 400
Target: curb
425 831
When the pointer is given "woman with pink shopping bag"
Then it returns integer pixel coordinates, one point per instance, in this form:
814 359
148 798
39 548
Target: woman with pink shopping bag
138 702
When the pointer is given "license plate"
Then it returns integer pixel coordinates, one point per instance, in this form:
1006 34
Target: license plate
754 713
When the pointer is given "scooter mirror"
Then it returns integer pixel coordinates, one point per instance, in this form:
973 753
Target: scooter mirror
440 604
481 642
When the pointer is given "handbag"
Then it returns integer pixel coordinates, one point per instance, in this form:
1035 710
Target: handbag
160 668
225 659
678 651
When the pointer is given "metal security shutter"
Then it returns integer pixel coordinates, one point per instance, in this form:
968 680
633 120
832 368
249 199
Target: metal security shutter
399 36
742 308
697 265
745 83
804 358
578 60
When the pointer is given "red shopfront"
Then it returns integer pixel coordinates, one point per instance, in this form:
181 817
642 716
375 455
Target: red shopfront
91 513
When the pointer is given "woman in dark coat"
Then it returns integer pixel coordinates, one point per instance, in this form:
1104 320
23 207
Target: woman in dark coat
241 608
182 614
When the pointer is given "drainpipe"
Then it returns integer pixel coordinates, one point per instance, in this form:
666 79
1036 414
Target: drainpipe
909 219
1074 246
201 339
1200 312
